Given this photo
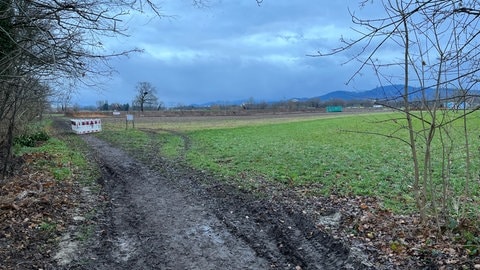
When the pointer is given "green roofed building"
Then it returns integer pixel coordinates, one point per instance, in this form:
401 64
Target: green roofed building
334 108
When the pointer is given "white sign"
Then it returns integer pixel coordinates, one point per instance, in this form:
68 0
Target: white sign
129 117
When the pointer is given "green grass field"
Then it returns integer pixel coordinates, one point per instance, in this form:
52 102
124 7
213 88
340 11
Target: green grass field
333 152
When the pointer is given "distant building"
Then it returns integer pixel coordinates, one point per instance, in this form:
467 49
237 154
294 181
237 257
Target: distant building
334 108
457 105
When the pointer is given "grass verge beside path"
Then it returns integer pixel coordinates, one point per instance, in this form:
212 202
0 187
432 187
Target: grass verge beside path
65 154
53 182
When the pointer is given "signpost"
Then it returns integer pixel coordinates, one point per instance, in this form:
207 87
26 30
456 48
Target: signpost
129 119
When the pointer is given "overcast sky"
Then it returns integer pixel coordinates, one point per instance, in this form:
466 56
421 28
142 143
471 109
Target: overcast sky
233 50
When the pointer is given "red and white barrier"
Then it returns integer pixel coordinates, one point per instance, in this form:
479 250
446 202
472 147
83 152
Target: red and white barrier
83 126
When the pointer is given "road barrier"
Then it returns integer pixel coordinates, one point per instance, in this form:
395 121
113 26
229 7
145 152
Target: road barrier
83 126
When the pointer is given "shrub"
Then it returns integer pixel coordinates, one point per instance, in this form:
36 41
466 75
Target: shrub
30 140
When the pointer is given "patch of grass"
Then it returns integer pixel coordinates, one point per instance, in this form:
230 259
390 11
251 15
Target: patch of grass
60 159
131 139
472 243
86 232
304 152
185 124
65 156
61 173
340 154
171 145
48 226
134 140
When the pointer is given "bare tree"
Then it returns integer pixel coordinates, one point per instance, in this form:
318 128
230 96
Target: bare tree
52 42
438 53
146 96
46 42
26 101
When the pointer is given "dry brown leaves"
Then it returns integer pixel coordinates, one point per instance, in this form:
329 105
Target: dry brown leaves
398 240
34 211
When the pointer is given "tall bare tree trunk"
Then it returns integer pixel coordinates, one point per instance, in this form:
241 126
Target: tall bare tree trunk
419 200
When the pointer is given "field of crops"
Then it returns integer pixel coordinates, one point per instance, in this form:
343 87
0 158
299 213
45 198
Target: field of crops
324 152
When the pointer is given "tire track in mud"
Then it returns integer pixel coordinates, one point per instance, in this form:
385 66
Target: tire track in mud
155 225
169 217
257 231
258 224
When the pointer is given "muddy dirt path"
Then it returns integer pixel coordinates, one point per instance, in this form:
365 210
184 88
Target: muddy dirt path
165 217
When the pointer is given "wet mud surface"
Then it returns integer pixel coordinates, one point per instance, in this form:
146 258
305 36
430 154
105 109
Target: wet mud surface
162 215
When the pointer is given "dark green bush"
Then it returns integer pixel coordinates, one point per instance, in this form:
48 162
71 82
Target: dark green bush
41 136
30 140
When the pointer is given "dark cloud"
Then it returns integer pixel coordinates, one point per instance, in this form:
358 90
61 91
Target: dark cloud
233 50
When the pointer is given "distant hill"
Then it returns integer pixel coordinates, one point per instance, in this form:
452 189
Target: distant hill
383 93
390 92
